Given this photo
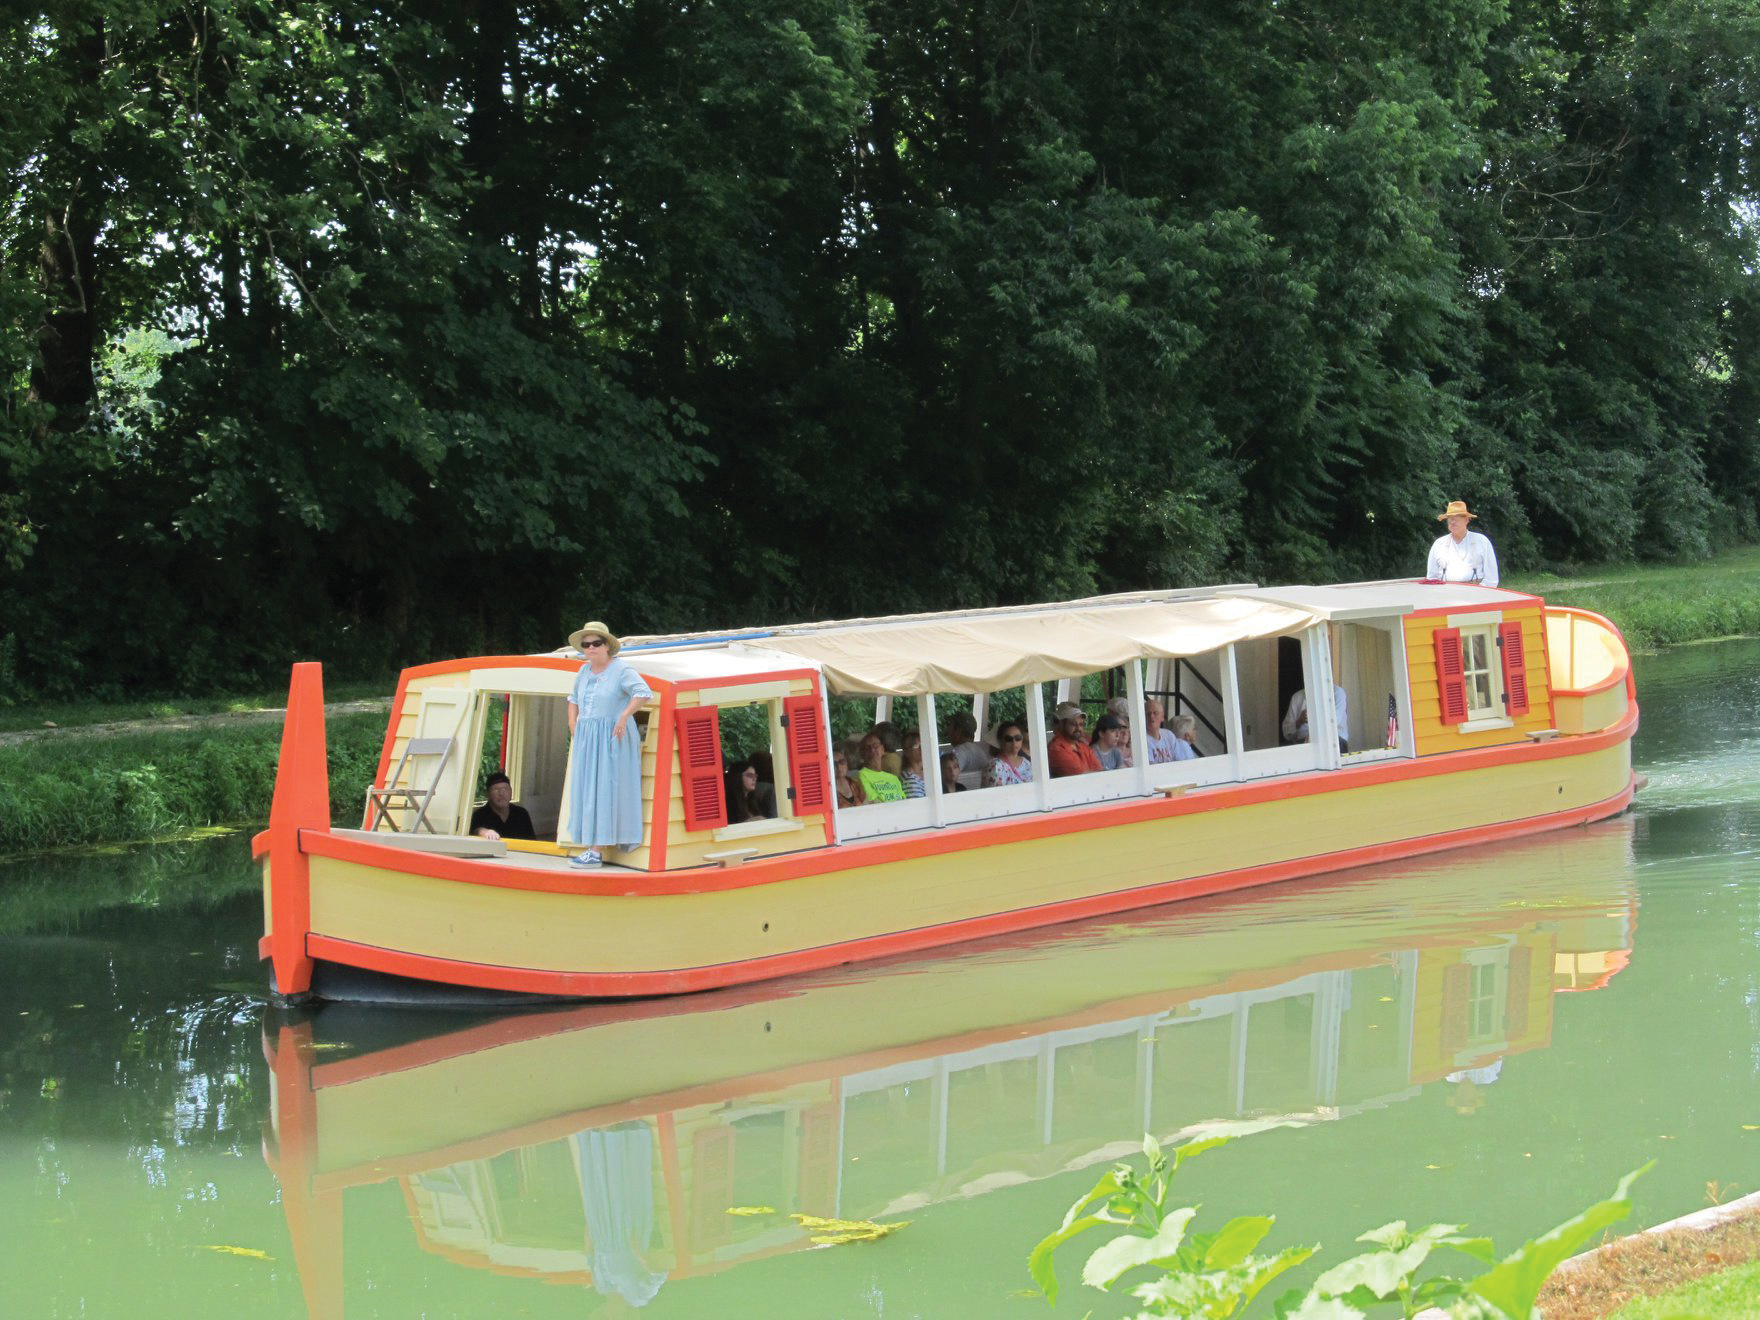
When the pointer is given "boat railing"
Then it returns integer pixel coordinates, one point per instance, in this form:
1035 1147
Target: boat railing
1591 670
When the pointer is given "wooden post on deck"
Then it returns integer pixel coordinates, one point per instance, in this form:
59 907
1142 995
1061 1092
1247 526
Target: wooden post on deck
301 802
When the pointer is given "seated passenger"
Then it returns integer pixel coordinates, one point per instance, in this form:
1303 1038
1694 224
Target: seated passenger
1185 734
1163 743
765 765
950 774
849 788
891 761
911 772
501 817
878 784
1109 735
1011 766
961 728
1121 707
1295 719
1069 752
748 797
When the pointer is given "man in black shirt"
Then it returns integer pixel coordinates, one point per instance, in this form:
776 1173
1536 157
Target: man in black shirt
500 817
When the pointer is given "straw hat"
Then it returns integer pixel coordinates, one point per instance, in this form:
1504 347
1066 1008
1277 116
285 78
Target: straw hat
595 629
1456 509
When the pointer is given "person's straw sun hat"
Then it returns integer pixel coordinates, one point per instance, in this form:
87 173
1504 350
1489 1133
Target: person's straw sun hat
1456 509
595 629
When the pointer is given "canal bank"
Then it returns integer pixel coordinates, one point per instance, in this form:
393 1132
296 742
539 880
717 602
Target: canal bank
78 787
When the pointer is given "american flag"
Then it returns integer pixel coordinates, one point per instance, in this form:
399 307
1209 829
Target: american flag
1392 721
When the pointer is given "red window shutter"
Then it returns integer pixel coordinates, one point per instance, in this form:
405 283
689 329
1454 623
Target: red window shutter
1521 980
1457 990
818 1157
1515 669
1451 681
809 768
699 758
712 1154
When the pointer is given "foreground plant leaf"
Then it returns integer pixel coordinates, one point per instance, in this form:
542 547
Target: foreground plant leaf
1513 1285
1128 1251
751 1210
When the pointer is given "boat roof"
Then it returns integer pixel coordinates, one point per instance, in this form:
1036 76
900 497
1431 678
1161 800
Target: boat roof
1396 596
989 650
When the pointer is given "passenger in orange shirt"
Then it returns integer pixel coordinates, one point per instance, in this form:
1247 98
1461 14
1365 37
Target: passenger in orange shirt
1069 752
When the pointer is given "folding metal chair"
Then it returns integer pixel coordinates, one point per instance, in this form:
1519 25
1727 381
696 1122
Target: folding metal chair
413 796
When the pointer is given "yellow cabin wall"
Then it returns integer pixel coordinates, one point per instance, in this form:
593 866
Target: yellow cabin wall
1430 733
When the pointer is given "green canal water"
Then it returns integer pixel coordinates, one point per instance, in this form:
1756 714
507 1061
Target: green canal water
1490 1038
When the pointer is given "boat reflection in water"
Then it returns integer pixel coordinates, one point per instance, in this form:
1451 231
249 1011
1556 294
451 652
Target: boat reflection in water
602 1145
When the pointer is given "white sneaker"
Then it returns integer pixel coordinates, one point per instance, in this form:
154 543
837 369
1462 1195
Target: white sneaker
589 858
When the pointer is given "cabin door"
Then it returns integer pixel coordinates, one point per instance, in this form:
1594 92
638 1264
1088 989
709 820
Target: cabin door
537 757
446 713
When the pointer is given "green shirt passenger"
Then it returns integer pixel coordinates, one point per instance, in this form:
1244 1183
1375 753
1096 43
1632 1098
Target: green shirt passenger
879 785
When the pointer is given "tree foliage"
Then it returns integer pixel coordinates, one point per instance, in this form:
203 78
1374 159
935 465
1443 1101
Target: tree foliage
377 330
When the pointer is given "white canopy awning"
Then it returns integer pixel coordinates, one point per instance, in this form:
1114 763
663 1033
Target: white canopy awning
990 652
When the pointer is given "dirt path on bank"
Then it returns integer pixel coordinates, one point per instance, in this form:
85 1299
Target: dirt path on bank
177 723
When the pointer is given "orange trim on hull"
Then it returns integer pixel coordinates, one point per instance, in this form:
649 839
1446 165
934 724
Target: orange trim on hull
828 859
690 979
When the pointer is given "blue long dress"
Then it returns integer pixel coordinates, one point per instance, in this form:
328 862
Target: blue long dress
605 797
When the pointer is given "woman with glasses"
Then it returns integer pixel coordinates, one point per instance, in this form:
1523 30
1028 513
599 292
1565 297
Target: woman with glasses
604 807
1011 766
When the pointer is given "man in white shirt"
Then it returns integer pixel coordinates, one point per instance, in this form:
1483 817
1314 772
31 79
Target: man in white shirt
1460 555
1295 719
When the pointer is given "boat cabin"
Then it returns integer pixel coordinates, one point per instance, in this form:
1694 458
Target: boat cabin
1424 669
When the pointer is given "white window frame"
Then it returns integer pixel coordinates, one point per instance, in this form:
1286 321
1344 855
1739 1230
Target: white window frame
1483 623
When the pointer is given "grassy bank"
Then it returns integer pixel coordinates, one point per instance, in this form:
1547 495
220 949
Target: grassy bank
73 714
1666 604
158 785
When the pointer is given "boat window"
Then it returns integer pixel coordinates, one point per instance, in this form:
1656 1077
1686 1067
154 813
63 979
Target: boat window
747 743
1479 670
1193 686
1365 663
1267 673
1002 709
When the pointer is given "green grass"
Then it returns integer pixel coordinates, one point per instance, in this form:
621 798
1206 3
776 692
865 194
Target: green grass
1665 604
165 785
71 714
1732 1292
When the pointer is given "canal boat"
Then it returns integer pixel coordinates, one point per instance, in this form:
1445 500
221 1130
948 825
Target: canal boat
1463 714
601 1146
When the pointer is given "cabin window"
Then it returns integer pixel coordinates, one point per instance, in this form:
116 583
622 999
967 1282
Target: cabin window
1479 672
1366 664
1192 686
767 763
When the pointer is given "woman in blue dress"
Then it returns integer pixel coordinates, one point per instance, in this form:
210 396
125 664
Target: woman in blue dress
605 795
